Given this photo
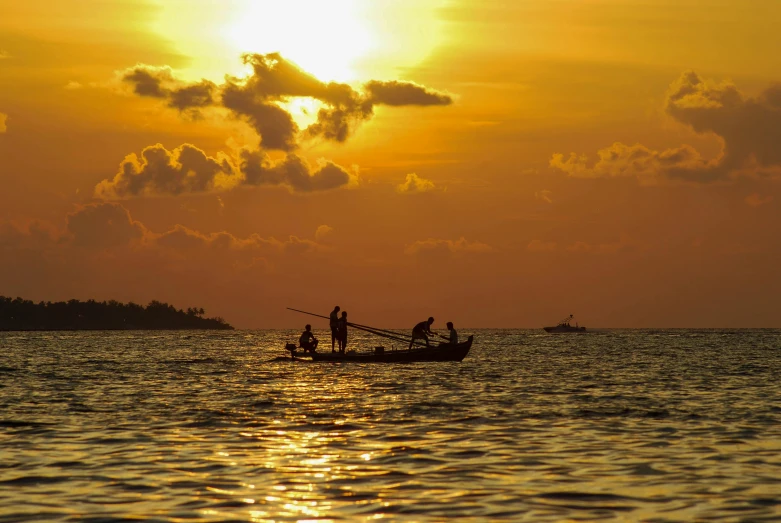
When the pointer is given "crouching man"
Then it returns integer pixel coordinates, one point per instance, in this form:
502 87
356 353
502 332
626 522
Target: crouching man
307 341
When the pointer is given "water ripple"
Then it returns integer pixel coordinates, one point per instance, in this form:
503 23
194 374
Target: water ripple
622 425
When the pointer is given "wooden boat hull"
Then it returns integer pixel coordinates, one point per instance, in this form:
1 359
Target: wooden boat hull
443 352
560 329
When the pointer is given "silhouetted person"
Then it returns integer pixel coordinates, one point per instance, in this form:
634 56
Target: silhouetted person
453 333
343 332
333 322
307 341
421 331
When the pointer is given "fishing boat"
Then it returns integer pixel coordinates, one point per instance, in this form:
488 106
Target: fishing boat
418 353
565 326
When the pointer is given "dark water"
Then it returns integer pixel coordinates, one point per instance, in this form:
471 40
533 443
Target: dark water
623 425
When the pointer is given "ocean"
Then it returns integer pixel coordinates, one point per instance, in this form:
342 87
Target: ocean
623 425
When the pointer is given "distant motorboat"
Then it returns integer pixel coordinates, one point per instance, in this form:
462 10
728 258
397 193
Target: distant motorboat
565 326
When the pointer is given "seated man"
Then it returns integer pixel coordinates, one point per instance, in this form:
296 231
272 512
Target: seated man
307 341
421 332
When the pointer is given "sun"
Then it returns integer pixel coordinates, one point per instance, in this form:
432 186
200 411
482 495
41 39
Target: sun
324 38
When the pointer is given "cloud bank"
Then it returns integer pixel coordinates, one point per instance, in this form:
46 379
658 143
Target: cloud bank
748 127
257 101
109 225
187 169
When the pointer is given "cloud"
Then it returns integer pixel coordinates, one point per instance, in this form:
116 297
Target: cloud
620 160
414 184
459 246
541 246
187 169
274 125
256 99
160 82
4 54
159 171
109 225
183 240
3 120
149 80
624 244
755 200
544 195
34 236
748 127
395 93
103 225
323 232
294 172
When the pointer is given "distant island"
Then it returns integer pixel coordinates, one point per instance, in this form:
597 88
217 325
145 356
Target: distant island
25 315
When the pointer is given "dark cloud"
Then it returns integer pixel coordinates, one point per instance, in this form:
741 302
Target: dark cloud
187 169
749 128
274 80
196 95
160 171
292 171
397 94
257 100
149 81
274 125
103 225
159 82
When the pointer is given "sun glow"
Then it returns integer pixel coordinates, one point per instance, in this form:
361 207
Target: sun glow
323 38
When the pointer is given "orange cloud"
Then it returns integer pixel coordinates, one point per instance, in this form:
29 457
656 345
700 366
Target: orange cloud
323 232
624 244
755 200
749 128
459 246
3 120
414 184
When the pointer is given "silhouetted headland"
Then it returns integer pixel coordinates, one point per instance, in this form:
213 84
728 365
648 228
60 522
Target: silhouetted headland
25 315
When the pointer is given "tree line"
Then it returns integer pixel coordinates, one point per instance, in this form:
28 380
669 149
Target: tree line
26 315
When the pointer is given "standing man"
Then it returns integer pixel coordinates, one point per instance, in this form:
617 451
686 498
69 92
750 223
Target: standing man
421 332
453 333
333 322
343 333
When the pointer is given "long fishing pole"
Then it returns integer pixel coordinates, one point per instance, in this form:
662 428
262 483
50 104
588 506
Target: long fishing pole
357 325
379 332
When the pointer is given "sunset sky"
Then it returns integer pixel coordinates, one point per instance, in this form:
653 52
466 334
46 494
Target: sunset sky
493 163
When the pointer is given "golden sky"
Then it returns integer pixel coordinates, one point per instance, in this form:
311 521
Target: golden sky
490 163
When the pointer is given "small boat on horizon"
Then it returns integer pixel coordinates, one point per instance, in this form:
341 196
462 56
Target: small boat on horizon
565 326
